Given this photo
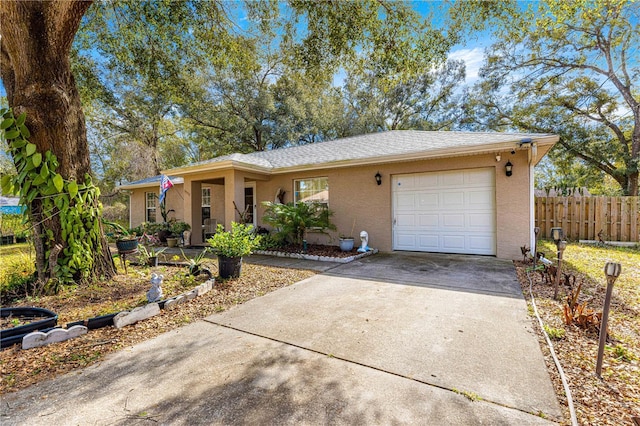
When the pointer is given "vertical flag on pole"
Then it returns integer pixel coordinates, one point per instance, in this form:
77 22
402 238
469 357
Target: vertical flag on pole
165 184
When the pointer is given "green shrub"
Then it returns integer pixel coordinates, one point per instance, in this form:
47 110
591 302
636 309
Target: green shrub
238 242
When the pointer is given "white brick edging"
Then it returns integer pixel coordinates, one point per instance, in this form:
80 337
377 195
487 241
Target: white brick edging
315 257
38 338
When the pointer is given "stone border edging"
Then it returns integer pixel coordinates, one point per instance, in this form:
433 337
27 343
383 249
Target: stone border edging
316 258
120 319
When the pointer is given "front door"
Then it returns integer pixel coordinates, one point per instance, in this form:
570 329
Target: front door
249 203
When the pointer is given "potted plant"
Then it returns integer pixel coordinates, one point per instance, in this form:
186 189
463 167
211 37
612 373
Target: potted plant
346 242
177 232
125 242
149 254
231 246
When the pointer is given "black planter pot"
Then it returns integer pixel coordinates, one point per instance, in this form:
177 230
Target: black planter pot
152 261
229 267
163 235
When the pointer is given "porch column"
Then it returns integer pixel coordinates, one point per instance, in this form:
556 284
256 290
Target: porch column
192 209
233 191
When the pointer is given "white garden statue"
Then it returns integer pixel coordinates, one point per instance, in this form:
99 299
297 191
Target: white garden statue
364 247
155 292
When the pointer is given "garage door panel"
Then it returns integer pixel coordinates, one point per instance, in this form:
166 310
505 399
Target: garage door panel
453 221
429 221
406 241
406 220
480 220
428 242
426 181
452 179
453 199
405 200
483 245
453 242
428 201
450 212
480 197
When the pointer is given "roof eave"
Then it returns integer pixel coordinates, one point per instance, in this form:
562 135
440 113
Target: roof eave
217 166
424 155
175 181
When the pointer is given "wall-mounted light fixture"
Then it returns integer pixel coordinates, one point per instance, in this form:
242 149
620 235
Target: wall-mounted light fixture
378 178
508 168
498 157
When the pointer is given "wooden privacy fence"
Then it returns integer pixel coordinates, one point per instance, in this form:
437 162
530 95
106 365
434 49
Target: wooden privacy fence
583 218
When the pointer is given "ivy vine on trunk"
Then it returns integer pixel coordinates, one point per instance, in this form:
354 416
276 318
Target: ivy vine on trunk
64 214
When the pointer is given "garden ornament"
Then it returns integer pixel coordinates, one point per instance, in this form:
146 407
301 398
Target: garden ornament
364 237
155 292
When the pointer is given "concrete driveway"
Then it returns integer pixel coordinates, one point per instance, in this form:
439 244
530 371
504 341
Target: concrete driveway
389 339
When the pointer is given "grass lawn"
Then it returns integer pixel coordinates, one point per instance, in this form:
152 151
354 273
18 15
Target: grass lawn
615 398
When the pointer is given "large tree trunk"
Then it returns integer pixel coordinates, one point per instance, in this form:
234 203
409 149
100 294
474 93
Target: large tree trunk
35 45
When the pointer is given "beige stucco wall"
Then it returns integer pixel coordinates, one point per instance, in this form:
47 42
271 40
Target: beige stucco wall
137 205
354 195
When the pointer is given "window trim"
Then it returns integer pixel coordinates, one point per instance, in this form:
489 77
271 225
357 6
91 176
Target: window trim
150 196
295 193
326 204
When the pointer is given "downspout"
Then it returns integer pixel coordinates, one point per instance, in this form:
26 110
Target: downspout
532 154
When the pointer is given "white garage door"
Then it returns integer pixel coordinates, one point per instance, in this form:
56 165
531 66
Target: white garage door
447 212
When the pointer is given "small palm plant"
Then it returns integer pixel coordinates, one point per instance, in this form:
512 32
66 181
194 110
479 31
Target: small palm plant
293 220
195 264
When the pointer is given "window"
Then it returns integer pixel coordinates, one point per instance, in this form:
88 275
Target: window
151 206
313 191
206 204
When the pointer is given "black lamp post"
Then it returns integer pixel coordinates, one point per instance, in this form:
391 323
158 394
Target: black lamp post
612 271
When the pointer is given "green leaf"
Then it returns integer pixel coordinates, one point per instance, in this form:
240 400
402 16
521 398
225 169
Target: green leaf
31 149
12 134
73 189
58 182
38 180
7 186
37 159
21 118
6 123
19 143
24 131
44 171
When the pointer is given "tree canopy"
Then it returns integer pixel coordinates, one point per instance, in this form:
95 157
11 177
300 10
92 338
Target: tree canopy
569 68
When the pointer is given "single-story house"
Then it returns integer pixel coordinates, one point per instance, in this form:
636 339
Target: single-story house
450 192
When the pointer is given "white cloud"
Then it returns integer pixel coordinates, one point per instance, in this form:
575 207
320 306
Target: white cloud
473 59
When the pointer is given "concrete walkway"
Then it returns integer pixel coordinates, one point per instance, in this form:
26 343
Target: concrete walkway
382 340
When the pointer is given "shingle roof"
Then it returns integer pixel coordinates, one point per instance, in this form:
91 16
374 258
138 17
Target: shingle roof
369 146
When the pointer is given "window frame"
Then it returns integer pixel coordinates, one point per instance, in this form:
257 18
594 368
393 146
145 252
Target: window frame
296 195
204 205
150 212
